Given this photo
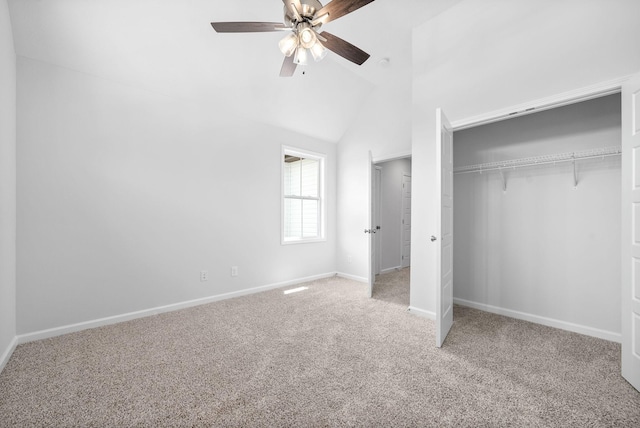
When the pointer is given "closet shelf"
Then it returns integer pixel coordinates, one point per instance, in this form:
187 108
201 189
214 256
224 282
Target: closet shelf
540 160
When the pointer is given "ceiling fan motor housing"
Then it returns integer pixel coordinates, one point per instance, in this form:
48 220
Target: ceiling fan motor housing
309 9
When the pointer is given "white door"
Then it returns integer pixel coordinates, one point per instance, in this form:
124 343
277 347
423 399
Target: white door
406 220
631 232
444 227
377 241
369 230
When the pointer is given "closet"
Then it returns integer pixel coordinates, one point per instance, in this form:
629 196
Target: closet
537 217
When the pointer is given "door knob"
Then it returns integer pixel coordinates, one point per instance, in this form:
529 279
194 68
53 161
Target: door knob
433 238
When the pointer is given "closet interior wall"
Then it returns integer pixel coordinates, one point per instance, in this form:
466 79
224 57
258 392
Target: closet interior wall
543 248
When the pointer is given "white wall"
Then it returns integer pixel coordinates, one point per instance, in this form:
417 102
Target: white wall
391 211
125 195
480 56
7 186
383 127
541 247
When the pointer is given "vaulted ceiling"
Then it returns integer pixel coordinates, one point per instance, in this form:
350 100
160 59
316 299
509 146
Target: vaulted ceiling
169 47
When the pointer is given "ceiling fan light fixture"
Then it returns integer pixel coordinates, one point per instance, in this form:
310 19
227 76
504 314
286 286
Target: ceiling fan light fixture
318 51
307 36
288 44
301 57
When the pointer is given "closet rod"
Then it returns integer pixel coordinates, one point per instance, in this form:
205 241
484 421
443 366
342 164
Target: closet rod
540 160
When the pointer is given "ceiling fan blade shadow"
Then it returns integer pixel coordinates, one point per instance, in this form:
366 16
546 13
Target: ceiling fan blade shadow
339 8
247 27
288 67
344 48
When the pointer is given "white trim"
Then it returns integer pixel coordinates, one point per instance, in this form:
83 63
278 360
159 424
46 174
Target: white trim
549 322
397 268
6 355
71 328
422 313
395 156
534 106
353 277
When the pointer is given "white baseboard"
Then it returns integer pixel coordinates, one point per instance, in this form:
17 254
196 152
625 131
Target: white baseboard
353 277
550 322
422 313
58 331
393 269
4 359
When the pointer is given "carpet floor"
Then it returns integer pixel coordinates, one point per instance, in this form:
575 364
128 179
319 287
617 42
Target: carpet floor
326 356
393 287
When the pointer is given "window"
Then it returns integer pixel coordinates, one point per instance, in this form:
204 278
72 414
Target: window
302 196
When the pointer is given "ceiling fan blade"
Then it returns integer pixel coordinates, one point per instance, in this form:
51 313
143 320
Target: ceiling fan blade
344 48
288 67
338 8
247 27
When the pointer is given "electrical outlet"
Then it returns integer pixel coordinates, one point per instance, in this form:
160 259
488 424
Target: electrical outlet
348 258
204 275
234 270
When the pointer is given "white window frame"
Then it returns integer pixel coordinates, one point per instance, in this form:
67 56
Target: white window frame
292 151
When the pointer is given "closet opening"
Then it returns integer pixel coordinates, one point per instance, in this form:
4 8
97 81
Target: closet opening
536 218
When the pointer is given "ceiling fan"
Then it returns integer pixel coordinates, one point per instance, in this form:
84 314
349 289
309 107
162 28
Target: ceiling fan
304 19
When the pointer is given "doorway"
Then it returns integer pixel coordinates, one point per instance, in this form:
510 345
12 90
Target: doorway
391 216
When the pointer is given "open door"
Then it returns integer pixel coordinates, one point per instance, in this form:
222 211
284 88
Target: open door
372 230
377 204
444 227
631 231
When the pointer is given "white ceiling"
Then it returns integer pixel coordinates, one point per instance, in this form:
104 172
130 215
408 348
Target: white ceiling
168 46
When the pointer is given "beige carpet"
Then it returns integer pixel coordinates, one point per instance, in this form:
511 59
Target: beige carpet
393 287
327 356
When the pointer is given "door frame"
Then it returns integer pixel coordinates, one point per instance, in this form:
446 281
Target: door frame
598 90
535 106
